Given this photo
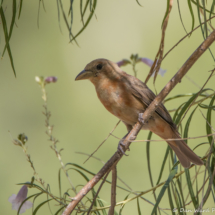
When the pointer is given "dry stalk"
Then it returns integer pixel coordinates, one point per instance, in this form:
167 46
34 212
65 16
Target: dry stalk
159 57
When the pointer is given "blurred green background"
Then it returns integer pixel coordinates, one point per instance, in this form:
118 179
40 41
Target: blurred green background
80 121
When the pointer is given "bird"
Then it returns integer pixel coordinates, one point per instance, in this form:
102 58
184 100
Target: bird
127 97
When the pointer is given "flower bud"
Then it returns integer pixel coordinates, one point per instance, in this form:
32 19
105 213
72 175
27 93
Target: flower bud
50 79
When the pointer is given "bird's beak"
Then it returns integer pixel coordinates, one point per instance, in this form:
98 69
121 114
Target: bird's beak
85 74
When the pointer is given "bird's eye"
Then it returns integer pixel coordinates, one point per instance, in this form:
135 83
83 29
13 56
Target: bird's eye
99 67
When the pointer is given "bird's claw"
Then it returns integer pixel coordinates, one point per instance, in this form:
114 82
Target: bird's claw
120 149
140 118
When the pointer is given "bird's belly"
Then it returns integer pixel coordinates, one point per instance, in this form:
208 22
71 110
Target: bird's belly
124 107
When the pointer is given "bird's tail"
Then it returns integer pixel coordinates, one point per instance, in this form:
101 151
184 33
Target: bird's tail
183 152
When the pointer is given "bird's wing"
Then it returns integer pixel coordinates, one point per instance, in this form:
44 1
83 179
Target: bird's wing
146 96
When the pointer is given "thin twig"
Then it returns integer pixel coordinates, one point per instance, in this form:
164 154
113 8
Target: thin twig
103 141
173 139
113 191
186 36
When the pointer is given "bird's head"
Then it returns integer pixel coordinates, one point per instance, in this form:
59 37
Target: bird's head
98 70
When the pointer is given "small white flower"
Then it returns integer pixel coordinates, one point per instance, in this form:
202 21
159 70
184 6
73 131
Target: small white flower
17 200
37 79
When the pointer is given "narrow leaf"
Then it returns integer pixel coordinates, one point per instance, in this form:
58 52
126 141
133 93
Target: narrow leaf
40 205
138 207
4 24
186 129
163 189
87 22
191 13
20 8
163 164
170 200
58 211
190 188
167 11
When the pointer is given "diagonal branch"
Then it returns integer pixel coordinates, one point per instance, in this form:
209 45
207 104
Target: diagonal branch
146 115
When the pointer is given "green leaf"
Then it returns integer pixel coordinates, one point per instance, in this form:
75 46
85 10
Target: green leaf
4 24
163 189
66 22
212 9
200 145
179 11
177 198
163 165
167 11
170 200
85 7
138 3
205 20
181 192
180 96
59 181
207 106
11 25
177 111
208 128
148 161
40 205
87 179
101 205
30 185
87 22
186 129
198 10
123 205
81 11
191 13
20 8
198 5
138 207
91 173
148 157
58 211
197 197
186 105
35 199
190 188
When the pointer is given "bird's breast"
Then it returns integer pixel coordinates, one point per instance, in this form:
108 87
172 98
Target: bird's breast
119 101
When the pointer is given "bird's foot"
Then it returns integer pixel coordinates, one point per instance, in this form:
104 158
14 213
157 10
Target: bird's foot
120 147
140 118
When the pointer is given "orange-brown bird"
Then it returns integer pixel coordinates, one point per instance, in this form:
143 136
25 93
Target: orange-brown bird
127 97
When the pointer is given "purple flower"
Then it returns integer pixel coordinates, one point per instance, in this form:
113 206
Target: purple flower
150 62
17 200
51 79
123 62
